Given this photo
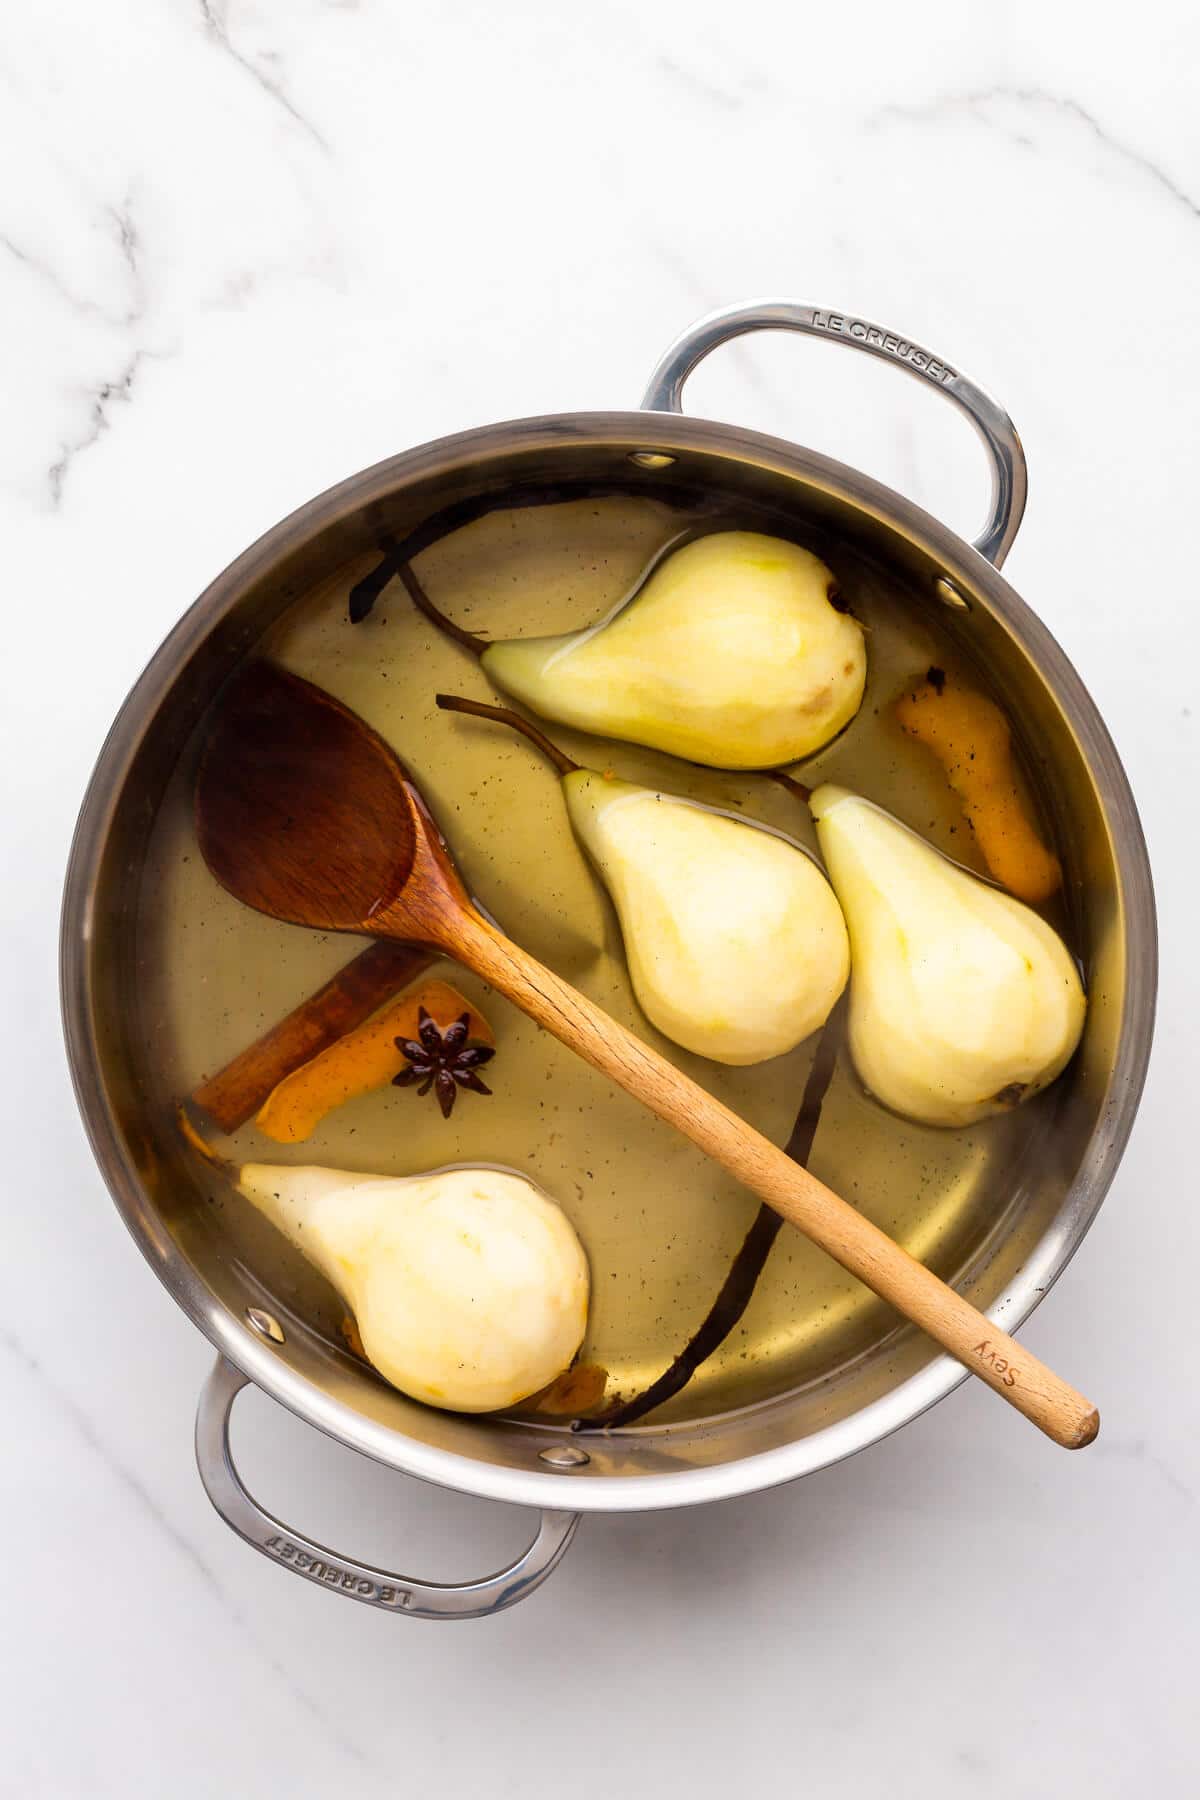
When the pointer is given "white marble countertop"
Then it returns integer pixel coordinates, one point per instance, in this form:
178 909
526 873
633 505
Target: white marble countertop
248 248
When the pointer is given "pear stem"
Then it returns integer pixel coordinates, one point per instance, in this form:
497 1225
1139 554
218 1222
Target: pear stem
739 1284
470 640
802 793
504 715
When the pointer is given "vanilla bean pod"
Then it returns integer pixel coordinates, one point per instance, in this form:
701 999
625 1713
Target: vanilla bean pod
739 1284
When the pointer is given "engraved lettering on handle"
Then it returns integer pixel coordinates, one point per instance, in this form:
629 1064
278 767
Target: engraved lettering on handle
877 339
358 1585
1010 480
341 1574
1006 1371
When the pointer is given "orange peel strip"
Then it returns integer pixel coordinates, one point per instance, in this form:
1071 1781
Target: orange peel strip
971 739
365 1059
576 1391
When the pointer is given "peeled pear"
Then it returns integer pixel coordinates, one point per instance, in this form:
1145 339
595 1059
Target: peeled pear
469 1286
962 1000
729 654
736 946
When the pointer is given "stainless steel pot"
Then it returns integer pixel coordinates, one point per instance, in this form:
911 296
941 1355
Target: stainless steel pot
657 451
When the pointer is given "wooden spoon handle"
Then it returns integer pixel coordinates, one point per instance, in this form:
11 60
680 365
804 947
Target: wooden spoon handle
982 1348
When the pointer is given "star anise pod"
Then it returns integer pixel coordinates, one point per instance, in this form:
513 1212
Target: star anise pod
442 1060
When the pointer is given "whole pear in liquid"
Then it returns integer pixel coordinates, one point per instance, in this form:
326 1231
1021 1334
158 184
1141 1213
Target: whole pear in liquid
469 1286
736 946
962 1000
729 654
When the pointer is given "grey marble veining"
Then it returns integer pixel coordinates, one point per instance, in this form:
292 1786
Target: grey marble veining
998 108
248 248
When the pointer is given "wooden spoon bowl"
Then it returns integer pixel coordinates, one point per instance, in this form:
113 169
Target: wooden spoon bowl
302 810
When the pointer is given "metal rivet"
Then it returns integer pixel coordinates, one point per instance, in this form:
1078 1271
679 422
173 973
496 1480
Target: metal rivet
650 459
949 595
265 1324
564 1456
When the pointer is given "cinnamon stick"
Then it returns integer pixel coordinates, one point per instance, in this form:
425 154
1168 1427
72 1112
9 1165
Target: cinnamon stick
237 1091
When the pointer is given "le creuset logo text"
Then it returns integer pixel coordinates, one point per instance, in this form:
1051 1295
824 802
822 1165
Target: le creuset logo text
903 351
335 1575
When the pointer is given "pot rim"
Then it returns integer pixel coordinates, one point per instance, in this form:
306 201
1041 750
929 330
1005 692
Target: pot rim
661 433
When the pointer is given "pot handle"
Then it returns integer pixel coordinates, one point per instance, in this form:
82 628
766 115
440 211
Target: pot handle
1009 473
340 1574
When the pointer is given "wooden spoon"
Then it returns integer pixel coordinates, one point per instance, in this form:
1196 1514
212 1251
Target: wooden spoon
303 812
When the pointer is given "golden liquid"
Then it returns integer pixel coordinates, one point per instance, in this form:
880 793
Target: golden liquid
659 1221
